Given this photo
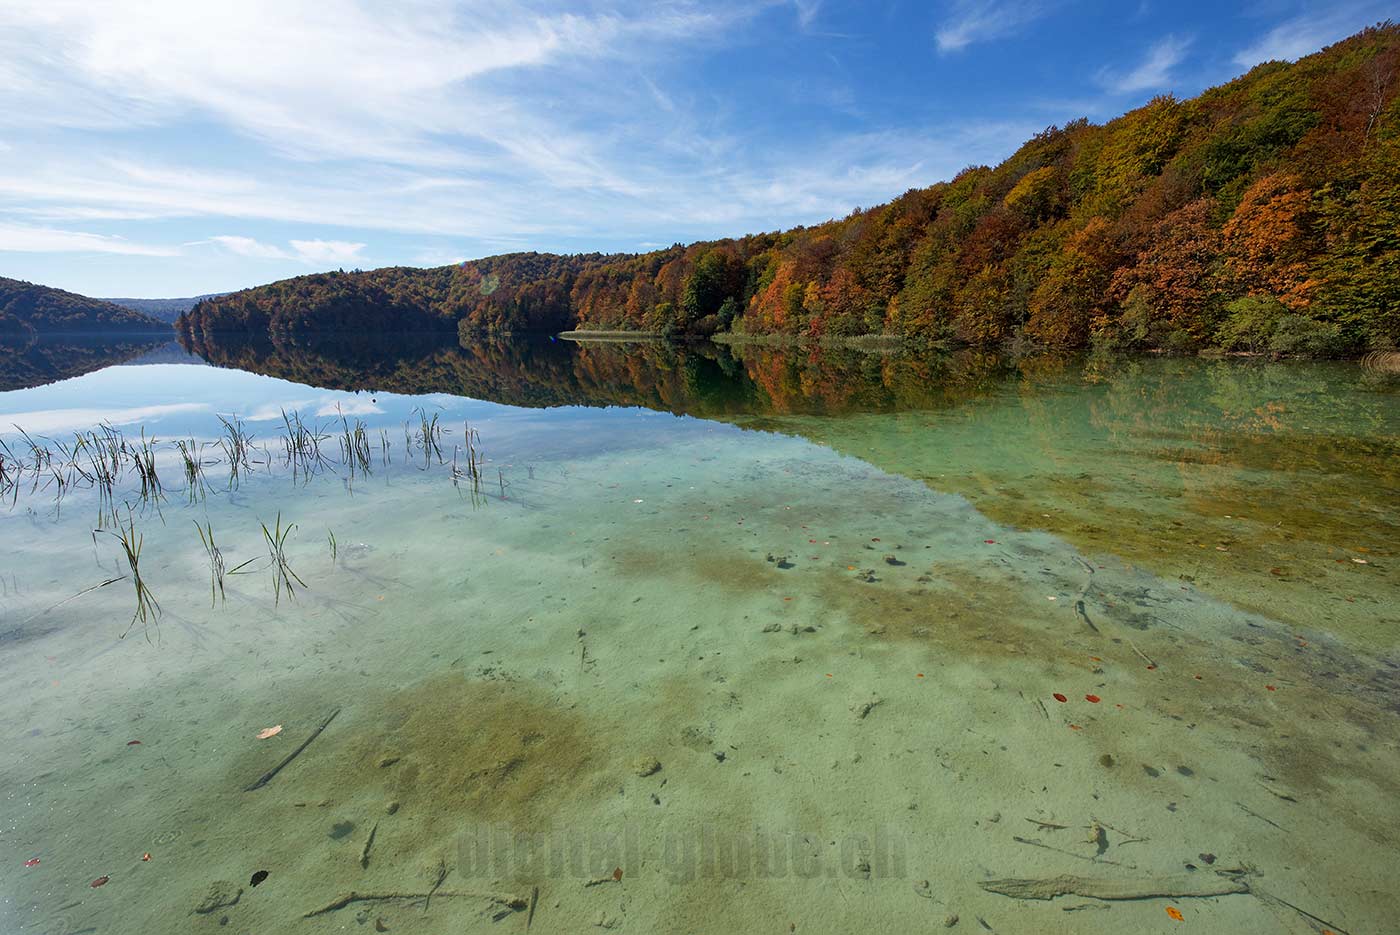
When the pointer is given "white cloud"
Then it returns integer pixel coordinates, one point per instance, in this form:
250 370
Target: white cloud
335 79
351 406
327 251
21 238
473 126
247 246
807 12
1154 72
972 21
52 421
316 252
1304 35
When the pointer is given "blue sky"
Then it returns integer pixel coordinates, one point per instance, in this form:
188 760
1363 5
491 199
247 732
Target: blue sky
174 147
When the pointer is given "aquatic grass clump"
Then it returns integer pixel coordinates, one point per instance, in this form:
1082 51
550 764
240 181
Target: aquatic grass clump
144 457
302 445
428 437
191 458
216 561
472 470
355 450
283 576
147 607
236 443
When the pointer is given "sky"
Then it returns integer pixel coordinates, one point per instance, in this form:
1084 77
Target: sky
161 148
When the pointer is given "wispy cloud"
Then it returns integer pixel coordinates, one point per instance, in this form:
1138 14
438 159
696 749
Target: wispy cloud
970 21
52 421
328 251
1303 35
322 252
25 239
1155 70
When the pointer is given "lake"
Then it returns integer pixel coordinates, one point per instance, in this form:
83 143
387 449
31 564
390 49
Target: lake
401 635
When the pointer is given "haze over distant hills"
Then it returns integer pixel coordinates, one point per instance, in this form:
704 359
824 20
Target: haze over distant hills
166 310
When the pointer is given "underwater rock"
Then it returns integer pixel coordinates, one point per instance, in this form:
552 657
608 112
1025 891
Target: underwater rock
387 760
646 765
220 895
891 560
773 628
391 806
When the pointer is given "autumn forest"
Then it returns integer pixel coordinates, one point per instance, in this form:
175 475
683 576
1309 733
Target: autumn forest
1262 216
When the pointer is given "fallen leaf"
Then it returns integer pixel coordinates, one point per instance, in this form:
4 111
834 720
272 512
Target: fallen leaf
32 862
146 856
267 732
1092 699
100 881
617 874
133 743
1060 698
1175 913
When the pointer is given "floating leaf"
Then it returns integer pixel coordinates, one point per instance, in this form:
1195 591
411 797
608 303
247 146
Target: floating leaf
267 732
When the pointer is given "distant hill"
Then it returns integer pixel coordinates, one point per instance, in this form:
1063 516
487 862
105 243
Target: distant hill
167 310
27 309
1262 215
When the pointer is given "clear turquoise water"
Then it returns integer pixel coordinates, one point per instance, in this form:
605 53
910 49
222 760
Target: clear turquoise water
835 605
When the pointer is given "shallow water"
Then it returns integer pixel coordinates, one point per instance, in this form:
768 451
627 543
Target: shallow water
834 604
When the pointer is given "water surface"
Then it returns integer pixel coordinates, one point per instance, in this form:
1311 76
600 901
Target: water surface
779 636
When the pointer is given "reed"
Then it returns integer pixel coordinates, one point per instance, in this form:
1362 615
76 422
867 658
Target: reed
429 436
283 577
191 458
236 442
147 607
330 539
144 458
302 445
39 453
216 561
355 450
104 478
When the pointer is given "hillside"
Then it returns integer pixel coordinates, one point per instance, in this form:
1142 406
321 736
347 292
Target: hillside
27 309
1262 215
166 310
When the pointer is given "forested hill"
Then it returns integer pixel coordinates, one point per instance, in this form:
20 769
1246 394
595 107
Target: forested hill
28 309
1262 215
